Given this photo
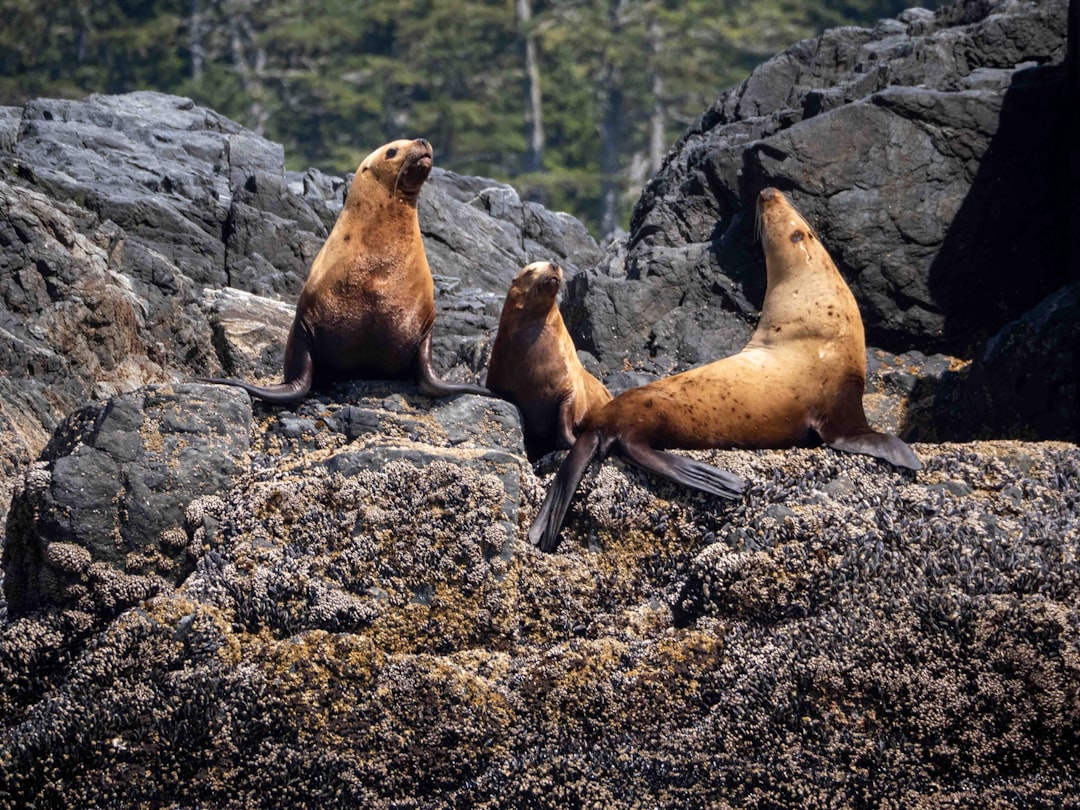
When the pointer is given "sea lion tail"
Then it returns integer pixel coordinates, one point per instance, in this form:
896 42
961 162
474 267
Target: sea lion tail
280 394
880 445
544 532
683 470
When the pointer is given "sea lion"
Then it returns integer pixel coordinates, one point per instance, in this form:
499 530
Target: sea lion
368 306
534 363
802 373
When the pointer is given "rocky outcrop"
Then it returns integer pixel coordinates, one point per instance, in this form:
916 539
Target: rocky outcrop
365 626
145 239
97 526
212 602
930 154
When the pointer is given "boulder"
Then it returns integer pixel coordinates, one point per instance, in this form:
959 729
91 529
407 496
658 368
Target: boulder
99 524
360 628
899 144
1025 381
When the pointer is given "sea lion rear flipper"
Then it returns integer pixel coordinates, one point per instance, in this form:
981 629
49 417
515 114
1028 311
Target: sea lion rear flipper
299 371
280 394
544 532
881 445
432 385
682 470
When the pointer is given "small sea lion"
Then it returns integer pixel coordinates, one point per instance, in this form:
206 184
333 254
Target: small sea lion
801 376
368 306
534 363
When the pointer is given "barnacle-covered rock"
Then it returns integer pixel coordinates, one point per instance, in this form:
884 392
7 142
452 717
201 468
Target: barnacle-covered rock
95 525
847 633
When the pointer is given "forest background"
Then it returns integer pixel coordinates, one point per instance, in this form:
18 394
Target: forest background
575 103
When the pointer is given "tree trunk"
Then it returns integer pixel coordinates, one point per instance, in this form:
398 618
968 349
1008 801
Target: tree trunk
250 67
82 38
534 113
658 116
609 156
610 125
198 54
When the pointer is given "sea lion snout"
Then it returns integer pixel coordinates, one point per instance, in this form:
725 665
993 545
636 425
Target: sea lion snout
543 278
416 166
423 152
770 198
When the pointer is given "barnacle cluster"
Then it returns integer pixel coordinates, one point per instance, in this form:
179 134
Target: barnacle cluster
365 624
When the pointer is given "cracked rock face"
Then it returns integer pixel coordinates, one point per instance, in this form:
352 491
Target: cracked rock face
899 143
145 239
212 602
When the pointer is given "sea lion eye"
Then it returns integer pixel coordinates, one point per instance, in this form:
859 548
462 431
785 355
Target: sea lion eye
797 236
391 153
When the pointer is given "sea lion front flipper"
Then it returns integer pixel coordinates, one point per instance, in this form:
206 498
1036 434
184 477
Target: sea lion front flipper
683 470
299 372
431 384
544 532
880 445
565 437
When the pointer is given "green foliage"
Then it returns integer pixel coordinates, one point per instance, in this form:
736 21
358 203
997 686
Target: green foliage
332 79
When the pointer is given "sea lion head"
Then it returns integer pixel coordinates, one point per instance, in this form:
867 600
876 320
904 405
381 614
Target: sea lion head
788 240
536 286
401 167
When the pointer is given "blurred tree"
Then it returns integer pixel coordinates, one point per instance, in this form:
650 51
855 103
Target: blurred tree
574 101
534 108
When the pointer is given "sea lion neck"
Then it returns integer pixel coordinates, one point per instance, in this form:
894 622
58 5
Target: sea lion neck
373 203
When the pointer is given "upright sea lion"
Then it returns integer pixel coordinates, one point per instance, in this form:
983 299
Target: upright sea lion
534 363
802 373
368 306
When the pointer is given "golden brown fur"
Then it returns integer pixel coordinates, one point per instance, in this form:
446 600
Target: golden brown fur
535 365
800 377
368 306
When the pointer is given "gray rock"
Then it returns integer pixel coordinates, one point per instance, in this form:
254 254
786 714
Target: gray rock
250 332
1026 380
99 524
899 144
147 239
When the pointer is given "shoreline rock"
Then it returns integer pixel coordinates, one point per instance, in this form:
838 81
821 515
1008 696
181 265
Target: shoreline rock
212 602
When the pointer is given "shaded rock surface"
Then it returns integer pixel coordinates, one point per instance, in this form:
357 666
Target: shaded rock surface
1028 373
930 152
215 603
